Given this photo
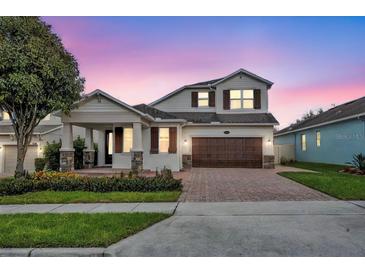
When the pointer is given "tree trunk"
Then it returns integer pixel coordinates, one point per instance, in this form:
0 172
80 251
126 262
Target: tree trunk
22 145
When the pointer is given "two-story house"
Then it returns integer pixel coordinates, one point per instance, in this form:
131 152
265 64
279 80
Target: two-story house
219 123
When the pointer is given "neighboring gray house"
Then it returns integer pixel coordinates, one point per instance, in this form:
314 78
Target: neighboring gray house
219 123
333 136
49 130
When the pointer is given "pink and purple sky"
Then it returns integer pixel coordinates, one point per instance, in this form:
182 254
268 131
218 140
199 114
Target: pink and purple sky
313 61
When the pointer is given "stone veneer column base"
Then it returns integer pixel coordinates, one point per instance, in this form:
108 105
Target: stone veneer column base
187 161
88 158
137 161
67 159
269 161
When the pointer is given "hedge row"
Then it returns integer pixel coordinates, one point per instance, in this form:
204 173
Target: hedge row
12 186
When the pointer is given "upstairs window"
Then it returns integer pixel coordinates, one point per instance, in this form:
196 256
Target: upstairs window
241 99
304 142
318 138
164 139
203 99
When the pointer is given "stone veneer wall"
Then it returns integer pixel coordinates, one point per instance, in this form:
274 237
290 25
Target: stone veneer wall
187 161
269 161
88 158
67 160
137 161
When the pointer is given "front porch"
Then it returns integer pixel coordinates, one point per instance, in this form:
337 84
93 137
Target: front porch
119 147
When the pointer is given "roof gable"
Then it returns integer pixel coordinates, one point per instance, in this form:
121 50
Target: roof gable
213 83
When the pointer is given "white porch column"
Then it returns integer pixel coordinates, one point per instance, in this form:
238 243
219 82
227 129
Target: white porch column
89 140
137 149
89 152
137 137
67 151
67 137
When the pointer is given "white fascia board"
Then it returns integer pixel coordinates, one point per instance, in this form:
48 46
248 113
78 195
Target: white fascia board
322 124
230 124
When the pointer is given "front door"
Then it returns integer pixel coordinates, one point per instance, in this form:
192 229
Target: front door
108 147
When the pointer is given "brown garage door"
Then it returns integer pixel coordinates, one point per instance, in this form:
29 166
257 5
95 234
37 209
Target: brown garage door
227 152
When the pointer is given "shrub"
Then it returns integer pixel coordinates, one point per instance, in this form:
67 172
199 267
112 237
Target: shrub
52 155
39 163
57 181
283 161
79 146
358 161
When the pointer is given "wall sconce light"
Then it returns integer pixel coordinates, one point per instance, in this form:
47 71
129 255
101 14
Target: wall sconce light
1 147
185 142
269 141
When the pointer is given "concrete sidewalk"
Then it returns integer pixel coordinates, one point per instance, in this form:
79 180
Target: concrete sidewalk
89 208
292 228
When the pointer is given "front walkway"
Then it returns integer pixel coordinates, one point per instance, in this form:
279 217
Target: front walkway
89 208
244 184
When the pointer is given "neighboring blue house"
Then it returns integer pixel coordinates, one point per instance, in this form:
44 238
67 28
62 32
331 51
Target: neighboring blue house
333 136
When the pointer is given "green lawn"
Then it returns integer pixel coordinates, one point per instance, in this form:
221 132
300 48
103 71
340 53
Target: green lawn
55 197
329 180
72 229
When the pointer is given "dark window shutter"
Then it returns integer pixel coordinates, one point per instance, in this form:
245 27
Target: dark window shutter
154 140
257 99
212 98
172 140
194 99
226 99
118 139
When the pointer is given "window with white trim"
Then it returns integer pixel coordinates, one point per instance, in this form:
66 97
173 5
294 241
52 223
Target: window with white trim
6 116
127 139
304 142
164 139
318 138
203 99
242 99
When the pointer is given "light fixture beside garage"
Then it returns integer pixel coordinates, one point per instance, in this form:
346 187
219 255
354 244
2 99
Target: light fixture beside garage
185 142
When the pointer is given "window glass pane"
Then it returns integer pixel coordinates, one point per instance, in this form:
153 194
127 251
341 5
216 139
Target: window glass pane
248 94
304 143
6 116
110 143
235 104
235 94
247 103
127 139
318 138
203 95
203 102
164 140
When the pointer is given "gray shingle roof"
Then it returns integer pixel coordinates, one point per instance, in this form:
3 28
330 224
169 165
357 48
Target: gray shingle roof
245 118
348 109
208 117
39 129
209 82
154 112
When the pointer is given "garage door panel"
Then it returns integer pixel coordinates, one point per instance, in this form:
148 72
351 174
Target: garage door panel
10 158
227 152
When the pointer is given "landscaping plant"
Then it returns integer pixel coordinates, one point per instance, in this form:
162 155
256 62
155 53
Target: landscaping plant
39 164
59 181
52 155
358 162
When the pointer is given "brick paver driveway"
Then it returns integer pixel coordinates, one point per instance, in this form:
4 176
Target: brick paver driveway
243 184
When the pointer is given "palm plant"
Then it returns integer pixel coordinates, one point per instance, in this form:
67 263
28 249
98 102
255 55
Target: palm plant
358 161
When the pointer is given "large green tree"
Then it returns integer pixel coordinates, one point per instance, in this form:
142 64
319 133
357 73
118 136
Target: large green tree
37 76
